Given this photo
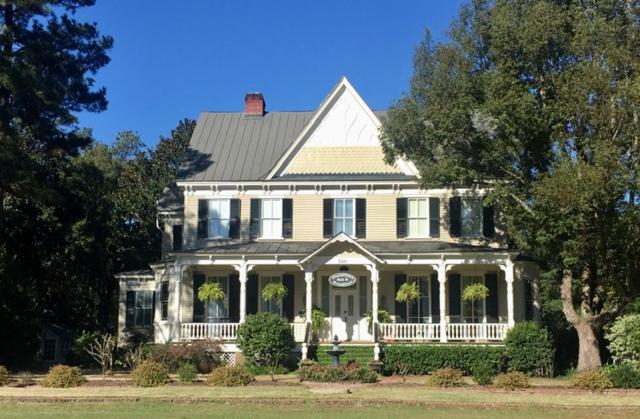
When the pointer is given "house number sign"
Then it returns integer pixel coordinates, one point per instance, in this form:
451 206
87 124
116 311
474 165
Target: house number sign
342 279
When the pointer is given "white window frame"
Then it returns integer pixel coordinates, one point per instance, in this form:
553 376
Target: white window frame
473 279
225 303
277 234
465 228
267 306
218 222
344 218
427 281
424 218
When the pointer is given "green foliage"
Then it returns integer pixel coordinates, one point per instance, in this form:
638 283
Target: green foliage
210 291
424 359
512 380
334 374
230 376
318 320
274 291
475 292
595 380
202 354
150 374
63 376
483 374
408 292
77 355
623 376
266 340
446 377
529 349
383 317
363 355
624 339
5 376
187 372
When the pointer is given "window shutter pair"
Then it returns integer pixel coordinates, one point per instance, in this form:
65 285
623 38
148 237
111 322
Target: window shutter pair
455 218
198 306
203 218
402 215
255 221
360 218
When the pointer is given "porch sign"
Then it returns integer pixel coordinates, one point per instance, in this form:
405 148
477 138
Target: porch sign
342 279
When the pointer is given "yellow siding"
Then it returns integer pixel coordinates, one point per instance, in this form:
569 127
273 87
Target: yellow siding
307 217
340 160
381 215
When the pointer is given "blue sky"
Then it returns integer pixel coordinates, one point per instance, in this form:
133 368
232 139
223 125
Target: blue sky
175 59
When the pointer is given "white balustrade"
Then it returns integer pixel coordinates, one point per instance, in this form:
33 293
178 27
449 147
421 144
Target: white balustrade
477 331
455 331
197 331
410 331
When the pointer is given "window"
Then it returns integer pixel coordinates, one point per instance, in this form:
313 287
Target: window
49 350
143 309
218 310
271 306
343 216
219 218
472 311
177 237
272 218
419 311
164 300
418 217
471 217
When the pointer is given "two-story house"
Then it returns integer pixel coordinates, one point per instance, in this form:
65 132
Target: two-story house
306 199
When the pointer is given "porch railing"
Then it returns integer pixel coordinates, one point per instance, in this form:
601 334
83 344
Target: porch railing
410 331
196 331
455 331
477 331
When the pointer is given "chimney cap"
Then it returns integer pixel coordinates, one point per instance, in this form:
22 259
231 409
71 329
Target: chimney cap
254 104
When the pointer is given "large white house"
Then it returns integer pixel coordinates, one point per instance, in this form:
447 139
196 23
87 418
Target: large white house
306 199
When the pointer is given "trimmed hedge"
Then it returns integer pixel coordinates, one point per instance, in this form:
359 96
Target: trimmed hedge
424 359
363 355
341 373
529 349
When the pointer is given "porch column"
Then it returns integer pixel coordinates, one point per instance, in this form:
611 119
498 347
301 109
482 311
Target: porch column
442 279
508 276
374 302
242 276
308 279
177 315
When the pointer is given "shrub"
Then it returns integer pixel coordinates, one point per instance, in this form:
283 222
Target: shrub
334 374
63 376
529 349
202 354
623 376
483 374
150 374
446 377
266 340
5 376
230 376
595 381
187 372
78 355
624 338
424 359
511 380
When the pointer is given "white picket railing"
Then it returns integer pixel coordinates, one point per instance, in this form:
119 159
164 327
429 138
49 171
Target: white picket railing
477 331
196 331
410 331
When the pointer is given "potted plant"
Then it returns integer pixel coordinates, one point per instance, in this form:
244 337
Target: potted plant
474 292
210 291
408 292
274 291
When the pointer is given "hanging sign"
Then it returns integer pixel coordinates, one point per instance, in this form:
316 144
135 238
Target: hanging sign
342 279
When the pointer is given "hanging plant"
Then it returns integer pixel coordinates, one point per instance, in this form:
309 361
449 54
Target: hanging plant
210 291
475 292
274 291
408 292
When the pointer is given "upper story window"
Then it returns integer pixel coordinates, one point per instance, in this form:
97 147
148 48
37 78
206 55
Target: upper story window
346 215
343 216
218 218
272 218
417 217
177 237
469 218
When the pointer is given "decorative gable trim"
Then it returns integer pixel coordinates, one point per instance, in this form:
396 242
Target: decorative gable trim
342 238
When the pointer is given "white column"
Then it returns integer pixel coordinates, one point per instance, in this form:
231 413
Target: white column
508 276
535 290
308 279
442 279
177 315
374 300
242 276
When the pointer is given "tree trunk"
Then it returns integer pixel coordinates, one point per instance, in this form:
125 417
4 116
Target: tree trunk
589 347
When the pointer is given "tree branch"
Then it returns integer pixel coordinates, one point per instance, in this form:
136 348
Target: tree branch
566 294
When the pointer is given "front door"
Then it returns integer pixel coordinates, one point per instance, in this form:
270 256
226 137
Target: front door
344 310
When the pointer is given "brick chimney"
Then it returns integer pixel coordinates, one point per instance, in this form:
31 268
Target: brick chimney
254 104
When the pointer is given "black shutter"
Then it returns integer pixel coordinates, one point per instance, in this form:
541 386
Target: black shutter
130 308
361 218
198 306
287 302
454 295
177 237
401 308
234 222
203 218
488 225
255 224
287 218
434 217
455 216
234 298
435 295
491 282
401 217
153 307
252 294
327 217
